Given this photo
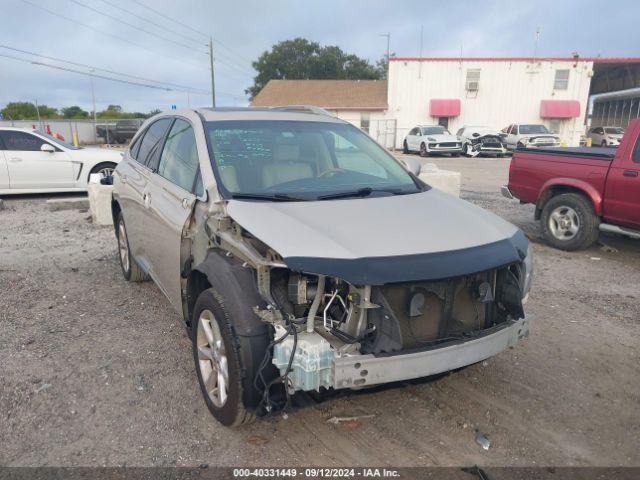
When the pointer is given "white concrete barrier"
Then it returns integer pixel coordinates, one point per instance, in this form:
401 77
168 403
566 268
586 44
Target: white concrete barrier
445 180
100 203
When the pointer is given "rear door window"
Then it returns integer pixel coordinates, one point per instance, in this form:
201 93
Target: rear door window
151 143
179 160
22 141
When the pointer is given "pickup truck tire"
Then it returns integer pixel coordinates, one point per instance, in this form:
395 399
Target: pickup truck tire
569 222
217 355
131 271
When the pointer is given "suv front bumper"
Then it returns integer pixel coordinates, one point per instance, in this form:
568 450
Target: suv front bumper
358 371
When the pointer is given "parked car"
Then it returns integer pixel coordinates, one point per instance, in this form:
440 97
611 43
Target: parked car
121 132
478 140
32 162
303 255
581 191
528 136
606 136
427 139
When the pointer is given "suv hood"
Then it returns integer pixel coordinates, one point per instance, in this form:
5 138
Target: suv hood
373 241
442 137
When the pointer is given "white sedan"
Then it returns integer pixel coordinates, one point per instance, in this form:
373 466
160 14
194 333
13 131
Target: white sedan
32 162
426 139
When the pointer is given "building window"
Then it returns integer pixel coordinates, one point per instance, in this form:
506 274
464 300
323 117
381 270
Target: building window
554 126
473 79
561 81
364 122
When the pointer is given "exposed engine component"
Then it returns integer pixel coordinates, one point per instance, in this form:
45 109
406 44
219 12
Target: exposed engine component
301 290
333 318
311 364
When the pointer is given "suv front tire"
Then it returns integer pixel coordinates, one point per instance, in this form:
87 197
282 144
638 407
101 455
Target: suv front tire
130 269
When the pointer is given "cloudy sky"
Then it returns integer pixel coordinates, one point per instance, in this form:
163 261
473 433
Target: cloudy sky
126 37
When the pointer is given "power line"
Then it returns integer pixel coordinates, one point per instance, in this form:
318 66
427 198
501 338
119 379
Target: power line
148 32
57 67
128 41
226 62
171 19
145 19
206 35
112 79
77 64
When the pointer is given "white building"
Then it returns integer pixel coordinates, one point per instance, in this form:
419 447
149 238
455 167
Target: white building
493 92
497 92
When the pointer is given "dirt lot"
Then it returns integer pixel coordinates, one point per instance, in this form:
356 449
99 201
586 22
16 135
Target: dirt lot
96 371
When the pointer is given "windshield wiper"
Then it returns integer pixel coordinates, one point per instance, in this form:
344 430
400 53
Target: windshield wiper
274 197
361 192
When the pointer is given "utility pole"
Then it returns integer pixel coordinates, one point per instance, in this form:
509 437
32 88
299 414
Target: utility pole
535 44
95 115
388 35
40 125
213 80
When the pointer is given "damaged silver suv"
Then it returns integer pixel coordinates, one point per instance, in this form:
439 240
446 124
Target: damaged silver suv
303 256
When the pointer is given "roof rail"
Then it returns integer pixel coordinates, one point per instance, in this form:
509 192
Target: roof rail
303 108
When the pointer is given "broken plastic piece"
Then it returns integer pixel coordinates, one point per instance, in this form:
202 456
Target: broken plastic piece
482 440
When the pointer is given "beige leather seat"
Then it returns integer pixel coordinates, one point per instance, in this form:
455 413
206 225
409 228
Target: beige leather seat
229 178
286 166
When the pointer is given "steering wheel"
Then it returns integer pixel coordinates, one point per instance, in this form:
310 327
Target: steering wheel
331 171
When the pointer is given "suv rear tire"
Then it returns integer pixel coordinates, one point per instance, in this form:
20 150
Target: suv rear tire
130 269
217 352
569 222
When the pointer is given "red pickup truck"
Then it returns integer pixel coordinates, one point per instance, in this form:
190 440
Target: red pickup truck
580 191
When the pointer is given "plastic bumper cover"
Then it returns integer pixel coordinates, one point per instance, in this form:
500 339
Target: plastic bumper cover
504 189
365 370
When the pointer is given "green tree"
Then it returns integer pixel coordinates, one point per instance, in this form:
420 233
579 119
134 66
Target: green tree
28 111
74 112
112 111
301 59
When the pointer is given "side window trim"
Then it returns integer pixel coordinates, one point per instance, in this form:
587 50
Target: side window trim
635 155
159 148
198 176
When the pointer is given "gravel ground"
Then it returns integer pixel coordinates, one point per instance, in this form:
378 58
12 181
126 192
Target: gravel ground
96 371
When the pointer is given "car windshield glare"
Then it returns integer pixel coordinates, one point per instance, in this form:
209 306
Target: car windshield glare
434 131
531 129
614 130
300 160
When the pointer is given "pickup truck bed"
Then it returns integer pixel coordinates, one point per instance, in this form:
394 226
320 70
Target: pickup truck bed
603 153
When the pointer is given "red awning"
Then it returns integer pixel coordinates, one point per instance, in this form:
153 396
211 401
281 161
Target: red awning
559 109
445 107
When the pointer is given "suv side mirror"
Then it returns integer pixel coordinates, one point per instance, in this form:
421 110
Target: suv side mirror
45 147
412 165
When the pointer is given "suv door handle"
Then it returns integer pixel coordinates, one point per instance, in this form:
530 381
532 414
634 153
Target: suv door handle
630 173
146 199
185 203
16 159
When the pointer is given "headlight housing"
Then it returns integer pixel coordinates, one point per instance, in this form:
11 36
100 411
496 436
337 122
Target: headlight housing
431 139
527 264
